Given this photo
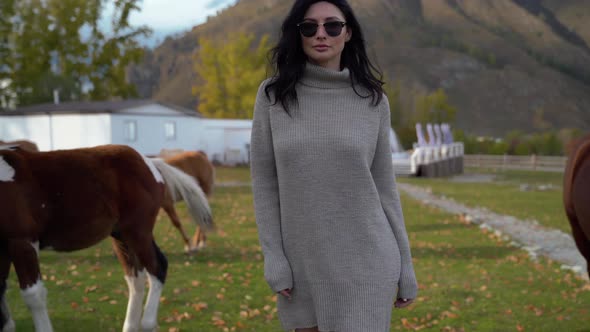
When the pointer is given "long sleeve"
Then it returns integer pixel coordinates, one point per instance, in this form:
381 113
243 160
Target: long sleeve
384 177
277 270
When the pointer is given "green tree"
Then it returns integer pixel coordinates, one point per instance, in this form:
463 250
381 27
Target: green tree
401 118
434 108
499 147
6 26
523 149
112 54
57 44
213 92
547 144
514 139
393 97
230 74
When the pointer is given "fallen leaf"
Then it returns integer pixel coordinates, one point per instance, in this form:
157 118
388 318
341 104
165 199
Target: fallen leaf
90 289
200 306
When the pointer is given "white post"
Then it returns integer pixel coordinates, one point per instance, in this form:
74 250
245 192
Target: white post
56 96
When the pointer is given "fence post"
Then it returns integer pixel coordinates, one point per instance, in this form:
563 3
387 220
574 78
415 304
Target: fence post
504 162
534 161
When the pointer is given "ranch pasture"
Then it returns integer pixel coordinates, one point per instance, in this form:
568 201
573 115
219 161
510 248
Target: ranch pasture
469 279
533 195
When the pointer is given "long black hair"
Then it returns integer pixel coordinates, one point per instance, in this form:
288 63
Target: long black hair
288 58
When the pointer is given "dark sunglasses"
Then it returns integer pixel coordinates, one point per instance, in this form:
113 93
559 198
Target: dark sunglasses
309 29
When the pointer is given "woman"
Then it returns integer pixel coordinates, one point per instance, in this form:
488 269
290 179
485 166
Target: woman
328 213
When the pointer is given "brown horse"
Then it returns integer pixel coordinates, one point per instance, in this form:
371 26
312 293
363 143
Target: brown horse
72 199
23 144
197 165
576 194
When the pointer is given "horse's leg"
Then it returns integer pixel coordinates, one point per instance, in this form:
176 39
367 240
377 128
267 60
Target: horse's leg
156 278
199 239
6 322
582 242
154 261
24 256
135 278
580 216
168 206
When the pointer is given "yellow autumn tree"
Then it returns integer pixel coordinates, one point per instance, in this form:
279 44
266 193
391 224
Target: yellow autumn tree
230 73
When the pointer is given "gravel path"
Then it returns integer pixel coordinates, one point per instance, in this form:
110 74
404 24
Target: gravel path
535 239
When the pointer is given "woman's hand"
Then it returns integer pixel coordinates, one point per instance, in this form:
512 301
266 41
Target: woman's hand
402 303
286 293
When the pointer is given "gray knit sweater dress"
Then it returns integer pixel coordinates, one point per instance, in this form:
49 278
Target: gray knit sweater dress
327 209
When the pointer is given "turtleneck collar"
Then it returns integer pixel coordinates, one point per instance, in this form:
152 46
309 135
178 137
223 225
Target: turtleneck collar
320 77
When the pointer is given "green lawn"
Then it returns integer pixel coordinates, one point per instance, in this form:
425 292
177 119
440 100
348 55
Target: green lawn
504 194
469 280
232 175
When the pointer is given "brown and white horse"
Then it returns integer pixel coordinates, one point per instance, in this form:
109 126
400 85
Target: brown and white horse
576 194
23 144
197 165
72 199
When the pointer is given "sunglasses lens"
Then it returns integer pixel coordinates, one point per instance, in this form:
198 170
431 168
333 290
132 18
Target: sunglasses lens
333 29
308 29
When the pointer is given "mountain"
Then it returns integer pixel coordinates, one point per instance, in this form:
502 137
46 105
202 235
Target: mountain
505 64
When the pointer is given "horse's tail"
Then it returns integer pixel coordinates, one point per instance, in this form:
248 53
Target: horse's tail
180 183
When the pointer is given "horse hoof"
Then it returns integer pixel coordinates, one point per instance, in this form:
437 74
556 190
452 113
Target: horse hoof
191 250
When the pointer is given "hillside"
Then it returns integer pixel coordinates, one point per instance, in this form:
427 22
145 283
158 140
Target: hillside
506 64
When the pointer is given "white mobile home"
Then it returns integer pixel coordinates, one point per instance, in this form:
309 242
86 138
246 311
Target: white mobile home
146 125
226 140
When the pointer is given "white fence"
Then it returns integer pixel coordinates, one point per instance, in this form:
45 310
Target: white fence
532 162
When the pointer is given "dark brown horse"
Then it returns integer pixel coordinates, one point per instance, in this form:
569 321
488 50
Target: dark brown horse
197 165
576 194
72 199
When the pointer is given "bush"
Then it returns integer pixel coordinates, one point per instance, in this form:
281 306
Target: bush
550 143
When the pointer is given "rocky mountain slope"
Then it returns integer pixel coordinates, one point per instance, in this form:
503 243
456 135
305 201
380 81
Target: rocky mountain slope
505 64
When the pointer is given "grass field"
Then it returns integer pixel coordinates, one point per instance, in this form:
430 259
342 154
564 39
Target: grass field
469 280
504 194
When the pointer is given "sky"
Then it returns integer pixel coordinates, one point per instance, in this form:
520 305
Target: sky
167 17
